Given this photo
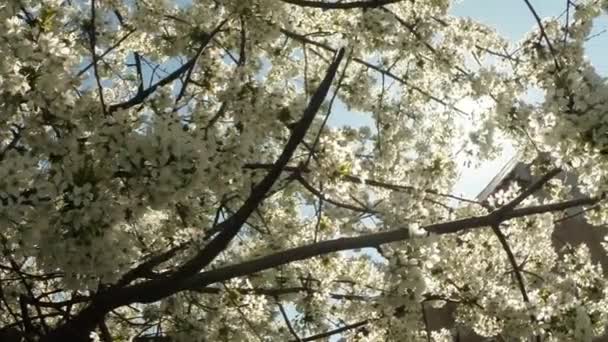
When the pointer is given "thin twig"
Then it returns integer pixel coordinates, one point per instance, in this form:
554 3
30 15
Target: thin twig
93 42
142 96
304 39
567 26
197 55
370 182
287 322
335 331
520 279
110 49
244 317
529 191
543 33
319 195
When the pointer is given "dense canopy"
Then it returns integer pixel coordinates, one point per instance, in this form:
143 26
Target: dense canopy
168 172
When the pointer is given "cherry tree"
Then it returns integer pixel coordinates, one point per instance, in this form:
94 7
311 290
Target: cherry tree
168 172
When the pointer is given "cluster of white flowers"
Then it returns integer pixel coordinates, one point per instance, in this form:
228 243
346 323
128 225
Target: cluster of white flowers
115 153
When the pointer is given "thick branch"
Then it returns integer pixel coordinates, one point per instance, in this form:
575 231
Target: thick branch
364 241
341 5
85 321
151 291
309 338
277 292
230 227
147 267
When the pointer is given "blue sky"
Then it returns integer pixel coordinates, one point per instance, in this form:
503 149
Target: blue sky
512 19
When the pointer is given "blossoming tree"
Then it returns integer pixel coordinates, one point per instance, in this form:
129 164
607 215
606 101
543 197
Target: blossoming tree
167 172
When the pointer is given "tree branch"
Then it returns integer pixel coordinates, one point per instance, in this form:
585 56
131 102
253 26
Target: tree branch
369 181
322 197
511 257
77 329
543 33
286 319
529 191
141 96
341 5
335 331
363 241
93 42
146 267
304 39
110 49
229 228
150 291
